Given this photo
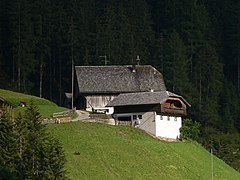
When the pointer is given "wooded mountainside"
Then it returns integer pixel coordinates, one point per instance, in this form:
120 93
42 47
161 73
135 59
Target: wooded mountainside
195 44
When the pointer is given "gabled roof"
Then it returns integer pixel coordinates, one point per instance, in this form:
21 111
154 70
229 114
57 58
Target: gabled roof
143 98
119 79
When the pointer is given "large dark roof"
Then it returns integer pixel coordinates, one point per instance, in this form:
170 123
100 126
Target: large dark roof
143 98
118 79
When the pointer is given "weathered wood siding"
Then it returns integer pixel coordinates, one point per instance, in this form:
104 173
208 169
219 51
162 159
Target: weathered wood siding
97 101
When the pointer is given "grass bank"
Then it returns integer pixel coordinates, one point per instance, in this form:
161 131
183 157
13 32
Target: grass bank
99 151
46 107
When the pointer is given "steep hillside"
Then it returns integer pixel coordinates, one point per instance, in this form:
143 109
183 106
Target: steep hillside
99 151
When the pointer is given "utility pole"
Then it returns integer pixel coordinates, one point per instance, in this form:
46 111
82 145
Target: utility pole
212 163
72 67
72 81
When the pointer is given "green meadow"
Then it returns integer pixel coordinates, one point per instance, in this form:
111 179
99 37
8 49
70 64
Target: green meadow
100 151
46 107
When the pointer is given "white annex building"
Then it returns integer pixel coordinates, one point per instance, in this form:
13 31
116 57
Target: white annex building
158 113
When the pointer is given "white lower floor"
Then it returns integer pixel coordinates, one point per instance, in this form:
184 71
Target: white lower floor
159 125
168 126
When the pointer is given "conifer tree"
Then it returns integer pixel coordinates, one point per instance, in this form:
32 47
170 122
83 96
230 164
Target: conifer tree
27 151
7 139
177 66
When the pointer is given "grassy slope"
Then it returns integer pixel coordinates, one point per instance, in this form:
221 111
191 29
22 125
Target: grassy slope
121 152
46 107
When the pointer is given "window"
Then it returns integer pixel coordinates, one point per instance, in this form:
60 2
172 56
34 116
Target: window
175 118
161 117
168 118
134 116
139 116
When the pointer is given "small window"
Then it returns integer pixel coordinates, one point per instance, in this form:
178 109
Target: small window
175 118
168 118
139 116
161 117
134 116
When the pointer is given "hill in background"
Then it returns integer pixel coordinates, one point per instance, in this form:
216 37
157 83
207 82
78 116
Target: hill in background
99 151
46 107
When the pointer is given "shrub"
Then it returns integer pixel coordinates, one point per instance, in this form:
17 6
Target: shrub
190 129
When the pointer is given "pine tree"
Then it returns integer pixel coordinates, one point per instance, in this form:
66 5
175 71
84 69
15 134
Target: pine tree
208 79
40 12
7 139
52 159
44 155
21 145
22 42
38 155
177 66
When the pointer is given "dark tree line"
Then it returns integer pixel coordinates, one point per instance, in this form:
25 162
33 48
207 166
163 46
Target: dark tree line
195 44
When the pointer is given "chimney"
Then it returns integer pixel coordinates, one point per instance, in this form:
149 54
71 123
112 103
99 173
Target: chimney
133 68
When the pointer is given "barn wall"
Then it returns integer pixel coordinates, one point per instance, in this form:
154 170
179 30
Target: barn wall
168 126
98 101
147 123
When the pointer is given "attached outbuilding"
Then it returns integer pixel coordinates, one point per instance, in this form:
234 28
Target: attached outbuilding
158 113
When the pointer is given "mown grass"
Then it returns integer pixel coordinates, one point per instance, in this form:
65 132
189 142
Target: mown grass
99 151
46 107
16 98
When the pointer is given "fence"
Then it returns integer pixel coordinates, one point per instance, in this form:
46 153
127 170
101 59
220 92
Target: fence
64 113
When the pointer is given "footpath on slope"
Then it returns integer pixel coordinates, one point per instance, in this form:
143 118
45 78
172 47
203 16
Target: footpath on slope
85 116
82 115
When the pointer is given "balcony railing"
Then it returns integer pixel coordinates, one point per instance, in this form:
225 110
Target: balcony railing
174 110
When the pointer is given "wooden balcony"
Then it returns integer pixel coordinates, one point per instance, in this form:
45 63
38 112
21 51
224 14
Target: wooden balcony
174 110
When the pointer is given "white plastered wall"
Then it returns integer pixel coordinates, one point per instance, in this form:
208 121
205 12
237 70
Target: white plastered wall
168 126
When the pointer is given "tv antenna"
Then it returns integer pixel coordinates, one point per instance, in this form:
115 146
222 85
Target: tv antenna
138 60
105 59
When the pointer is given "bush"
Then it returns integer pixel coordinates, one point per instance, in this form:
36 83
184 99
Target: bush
190 129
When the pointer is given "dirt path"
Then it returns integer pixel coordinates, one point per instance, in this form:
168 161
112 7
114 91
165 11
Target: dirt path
82 115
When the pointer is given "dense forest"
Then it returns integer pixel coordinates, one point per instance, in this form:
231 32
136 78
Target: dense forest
195 44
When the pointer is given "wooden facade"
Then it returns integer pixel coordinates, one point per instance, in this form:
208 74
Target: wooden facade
98 100
89 101
174 106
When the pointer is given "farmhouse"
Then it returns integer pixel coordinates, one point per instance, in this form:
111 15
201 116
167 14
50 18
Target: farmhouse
134 94
159 113
98 85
